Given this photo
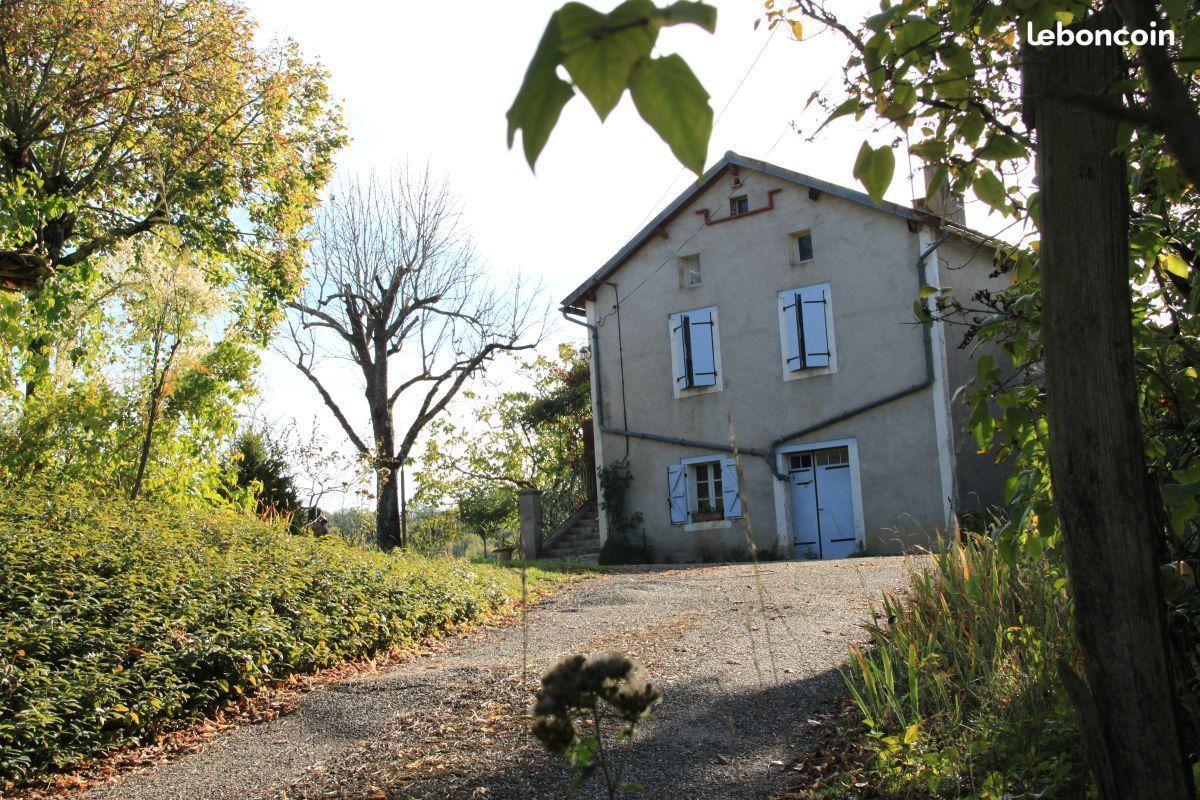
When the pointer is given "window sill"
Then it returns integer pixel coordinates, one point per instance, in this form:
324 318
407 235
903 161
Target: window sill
713 525
801 374
696 391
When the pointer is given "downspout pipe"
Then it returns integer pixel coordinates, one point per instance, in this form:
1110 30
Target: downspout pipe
769 456
925 383
572 315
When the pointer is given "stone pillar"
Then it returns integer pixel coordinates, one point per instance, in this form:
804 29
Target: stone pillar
529 509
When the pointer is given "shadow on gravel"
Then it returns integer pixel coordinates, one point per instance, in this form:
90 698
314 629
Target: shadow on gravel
703 744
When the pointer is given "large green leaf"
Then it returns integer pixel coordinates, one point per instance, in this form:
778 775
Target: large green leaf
990 190
671 99
874 169
600 53
685 11
1001 147
543 94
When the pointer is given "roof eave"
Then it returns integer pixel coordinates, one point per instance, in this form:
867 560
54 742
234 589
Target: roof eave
585 291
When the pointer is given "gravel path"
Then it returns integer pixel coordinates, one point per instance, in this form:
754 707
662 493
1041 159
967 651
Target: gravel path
741 684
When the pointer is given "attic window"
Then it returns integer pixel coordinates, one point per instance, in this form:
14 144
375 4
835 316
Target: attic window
689 271
738 205
801 247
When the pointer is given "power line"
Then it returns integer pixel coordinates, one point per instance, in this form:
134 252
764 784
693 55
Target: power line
760 162
716 121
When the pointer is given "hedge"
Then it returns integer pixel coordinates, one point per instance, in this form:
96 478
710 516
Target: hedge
120 619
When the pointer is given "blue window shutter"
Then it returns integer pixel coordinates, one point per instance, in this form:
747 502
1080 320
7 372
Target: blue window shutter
677 493
679 344
702 348
791 329
812 327
731 494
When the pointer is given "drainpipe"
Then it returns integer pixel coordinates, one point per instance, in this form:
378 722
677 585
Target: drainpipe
594 340
769 456
572 316
927 338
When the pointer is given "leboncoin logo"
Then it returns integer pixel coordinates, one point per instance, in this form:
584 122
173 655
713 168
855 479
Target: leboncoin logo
1086 36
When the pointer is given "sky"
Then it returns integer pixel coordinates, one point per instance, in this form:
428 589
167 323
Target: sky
430 83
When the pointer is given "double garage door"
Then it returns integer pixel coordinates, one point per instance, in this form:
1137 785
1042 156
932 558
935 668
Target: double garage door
822 503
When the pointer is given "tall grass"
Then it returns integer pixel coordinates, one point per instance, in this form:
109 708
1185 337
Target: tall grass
958 687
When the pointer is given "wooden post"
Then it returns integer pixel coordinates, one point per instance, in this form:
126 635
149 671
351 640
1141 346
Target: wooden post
529 509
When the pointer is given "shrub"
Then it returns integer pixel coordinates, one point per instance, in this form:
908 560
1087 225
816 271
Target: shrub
621 545
119 619
960 691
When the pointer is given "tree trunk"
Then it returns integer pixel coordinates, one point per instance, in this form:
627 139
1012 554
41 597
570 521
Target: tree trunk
387 509
1100 484
387 481
144 453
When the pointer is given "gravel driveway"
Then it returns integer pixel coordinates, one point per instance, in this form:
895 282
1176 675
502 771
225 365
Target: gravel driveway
742 685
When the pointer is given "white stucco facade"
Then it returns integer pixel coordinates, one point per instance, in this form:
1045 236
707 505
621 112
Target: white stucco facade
671 403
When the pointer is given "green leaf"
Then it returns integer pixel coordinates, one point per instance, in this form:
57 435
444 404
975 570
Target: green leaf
683 12
1174 494
670 98
851 106
1174 263
600 62
990 190
541 98
1001 148
874 168
929 150
912 733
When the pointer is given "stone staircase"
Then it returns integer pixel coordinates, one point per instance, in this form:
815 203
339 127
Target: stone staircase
578 539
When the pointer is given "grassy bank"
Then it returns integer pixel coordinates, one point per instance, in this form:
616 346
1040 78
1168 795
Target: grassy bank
958 693
119 620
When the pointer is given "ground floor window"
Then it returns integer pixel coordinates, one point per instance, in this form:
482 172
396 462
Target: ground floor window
703 489
706 477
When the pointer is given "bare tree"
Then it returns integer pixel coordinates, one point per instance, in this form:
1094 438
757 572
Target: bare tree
395 288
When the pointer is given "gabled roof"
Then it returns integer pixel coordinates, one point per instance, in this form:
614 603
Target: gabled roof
730 159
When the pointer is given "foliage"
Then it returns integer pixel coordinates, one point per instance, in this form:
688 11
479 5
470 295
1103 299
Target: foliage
960 692
127 118
120 619
577 696
261 468
620 545
146 401
606 53
529 438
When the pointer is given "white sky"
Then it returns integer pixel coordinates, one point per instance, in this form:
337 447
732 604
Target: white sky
431 82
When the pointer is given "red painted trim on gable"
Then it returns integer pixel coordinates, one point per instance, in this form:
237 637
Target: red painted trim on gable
768 207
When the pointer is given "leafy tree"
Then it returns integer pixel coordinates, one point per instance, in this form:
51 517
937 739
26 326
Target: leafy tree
152 404
1116 136
261 467
525 439
396 288
168 307
122 119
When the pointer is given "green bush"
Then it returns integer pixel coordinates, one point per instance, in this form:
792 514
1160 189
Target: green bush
959 689
119 619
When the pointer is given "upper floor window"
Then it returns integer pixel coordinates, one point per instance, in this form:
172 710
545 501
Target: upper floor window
695 353
801 246
739 205
806 330
689 271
